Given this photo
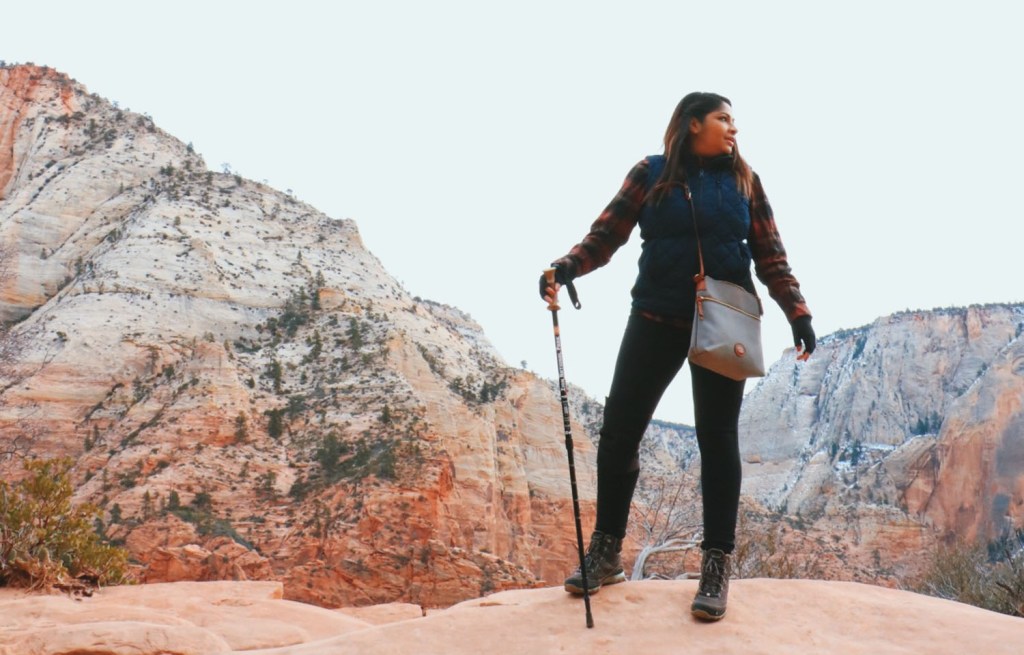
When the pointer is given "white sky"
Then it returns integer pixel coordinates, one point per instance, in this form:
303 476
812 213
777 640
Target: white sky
474 142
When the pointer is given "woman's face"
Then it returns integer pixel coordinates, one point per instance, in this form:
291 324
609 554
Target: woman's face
715 135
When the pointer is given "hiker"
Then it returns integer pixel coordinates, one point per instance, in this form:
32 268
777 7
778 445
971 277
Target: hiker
735 227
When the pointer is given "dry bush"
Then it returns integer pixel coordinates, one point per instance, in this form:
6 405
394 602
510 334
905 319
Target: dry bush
761 551
1009 581
666 524
988 576
957 572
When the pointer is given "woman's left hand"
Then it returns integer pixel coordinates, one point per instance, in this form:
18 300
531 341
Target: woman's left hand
803 336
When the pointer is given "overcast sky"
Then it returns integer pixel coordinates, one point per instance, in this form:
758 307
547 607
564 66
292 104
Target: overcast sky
474 142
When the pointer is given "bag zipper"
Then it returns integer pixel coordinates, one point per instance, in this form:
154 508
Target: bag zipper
700 307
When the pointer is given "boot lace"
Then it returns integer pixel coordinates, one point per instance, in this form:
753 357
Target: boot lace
712 576
595 554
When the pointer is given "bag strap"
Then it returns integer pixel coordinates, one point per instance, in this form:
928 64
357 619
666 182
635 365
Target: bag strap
699 278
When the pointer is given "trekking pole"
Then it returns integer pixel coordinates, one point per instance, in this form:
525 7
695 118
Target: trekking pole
549 274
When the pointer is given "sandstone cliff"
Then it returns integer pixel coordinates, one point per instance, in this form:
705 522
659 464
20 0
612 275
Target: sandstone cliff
245 389
897 432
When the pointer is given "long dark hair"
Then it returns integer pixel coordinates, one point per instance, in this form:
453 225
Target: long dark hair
677 144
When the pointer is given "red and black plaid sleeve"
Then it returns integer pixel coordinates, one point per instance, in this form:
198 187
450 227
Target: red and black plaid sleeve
769 255
612 228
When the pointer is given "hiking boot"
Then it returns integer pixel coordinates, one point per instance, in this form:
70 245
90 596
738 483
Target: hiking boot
713 590
603 562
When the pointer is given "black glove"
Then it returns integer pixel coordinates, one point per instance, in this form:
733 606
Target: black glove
562 277
803 332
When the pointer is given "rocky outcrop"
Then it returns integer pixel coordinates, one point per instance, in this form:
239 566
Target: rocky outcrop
215 354
765 616
21 104
897 432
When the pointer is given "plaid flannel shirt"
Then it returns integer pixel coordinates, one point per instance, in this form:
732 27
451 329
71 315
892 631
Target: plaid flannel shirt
613 227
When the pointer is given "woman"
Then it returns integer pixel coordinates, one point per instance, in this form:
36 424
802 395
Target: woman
736 227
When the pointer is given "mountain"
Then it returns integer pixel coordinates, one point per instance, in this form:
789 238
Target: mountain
245 390
897 433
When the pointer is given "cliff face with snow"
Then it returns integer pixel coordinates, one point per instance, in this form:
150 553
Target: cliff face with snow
914 419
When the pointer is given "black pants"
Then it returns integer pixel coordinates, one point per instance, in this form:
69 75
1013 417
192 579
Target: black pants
650 356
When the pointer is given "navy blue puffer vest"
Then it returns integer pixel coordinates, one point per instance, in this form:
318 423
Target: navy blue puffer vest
669 261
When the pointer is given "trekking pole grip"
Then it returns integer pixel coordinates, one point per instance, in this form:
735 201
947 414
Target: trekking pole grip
549 275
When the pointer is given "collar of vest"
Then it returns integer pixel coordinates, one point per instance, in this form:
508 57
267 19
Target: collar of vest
694 163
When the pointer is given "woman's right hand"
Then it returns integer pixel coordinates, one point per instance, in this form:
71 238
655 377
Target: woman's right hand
549 292
564 273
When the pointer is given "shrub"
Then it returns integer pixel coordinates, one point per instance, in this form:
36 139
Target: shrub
990 576
241 427
275 422
762 553
275 373
328 455
45 540
295 313
200 514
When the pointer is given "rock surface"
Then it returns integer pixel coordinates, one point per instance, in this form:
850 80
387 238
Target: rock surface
769 617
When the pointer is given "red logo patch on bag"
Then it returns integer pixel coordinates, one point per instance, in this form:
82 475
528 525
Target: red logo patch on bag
739 350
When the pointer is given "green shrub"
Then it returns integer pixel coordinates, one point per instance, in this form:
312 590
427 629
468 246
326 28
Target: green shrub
275 422
200 514
45 540
328 455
